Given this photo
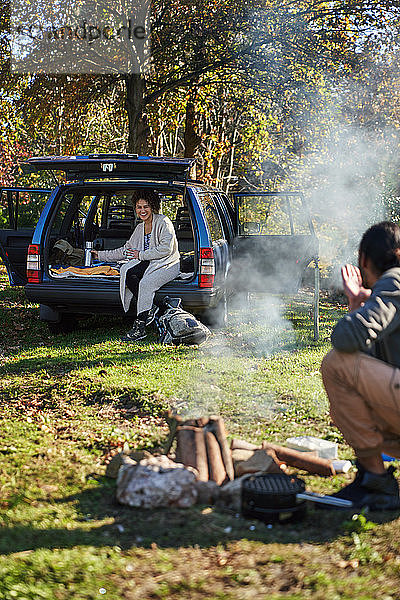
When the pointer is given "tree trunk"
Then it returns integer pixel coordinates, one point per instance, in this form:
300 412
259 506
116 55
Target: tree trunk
192 139
138 138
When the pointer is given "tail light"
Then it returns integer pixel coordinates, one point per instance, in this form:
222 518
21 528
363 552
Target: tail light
33 269
207 268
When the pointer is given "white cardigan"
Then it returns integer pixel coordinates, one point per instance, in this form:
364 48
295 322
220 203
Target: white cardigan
162 253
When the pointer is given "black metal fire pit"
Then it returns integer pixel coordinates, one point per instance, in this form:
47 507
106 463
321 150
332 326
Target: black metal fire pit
272 498
276 497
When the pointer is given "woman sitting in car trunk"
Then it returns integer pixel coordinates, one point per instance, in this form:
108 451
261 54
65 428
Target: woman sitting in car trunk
154 261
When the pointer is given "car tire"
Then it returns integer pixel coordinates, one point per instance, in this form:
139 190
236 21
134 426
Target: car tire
218 316
66 324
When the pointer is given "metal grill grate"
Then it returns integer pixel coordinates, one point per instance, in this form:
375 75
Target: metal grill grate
274 483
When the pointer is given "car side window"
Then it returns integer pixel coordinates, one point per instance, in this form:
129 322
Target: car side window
229 208
264 215
62 219
299 216
225 216
213 220
70 216
171 204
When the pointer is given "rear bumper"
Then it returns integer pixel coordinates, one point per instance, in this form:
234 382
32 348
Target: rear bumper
102 297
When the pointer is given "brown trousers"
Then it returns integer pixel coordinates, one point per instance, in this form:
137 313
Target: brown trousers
364 397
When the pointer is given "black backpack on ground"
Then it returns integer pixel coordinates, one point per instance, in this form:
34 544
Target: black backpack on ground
176 326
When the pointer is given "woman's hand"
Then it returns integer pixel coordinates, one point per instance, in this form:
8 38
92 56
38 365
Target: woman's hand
132 253
353 287
95 254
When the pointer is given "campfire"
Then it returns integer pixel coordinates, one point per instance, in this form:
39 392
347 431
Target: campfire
198 465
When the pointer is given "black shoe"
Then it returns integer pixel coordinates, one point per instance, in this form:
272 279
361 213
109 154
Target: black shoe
138 332
152 315
373 491
353 491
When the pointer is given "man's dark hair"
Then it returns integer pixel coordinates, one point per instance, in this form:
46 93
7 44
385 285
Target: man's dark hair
381 244
149 196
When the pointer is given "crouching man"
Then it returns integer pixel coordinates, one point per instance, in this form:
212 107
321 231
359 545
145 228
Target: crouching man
361 374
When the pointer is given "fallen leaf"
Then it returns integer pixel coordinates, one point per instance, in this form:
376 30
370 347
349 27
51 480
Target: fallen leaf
49 489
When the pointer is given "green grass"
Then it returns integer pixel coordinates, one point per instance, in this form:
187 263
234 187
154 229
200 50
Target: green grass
68 403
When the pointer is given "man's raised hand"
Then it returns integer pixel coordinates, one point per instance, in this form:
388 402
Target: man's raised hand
353 287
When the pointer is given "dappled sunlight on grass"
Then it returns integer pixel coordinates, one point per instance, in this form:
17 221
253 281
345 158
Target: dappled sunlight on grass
69 403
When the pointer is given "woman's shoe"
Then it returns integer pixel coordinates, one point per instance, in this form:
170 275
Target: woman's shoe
138 332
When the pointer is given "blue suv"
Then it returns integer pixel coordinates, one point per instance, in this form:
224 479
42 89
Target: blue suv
255 241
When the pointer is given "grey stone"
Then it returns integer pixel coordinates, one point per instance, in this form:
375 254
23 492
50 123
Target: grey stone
207 492
230 494
156 482
121 458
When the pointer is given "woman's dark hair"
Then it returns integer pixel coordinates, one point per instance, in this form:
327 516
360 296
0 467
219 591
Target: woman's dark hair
381 244
150 196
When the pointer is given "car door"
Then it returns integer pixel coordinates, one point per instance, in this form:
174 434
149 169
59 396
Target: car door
275 241
20 209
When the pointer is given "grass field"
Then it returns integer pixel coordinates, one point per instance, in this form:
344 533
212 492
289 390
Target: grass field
69 402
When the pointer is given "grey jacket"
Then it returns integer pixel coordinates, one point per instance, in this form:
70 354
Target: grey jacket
375 327
162 253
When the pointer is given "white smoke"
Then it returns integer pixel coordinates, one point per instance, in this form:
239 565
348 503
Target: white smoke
227 377
345 183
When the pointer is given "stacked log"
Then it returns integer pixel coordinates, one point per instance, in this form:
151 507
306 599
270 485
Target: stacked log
307 461
191 450
202 444
216 468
